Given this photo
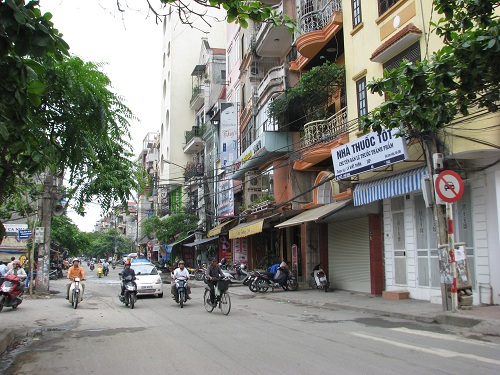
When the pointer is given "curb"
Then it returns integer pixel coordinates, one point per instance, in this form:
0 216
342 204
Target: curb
6 338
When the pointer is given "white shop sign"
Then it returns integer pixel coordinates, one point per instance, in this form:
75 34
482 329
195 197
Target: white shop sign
369 152
14 228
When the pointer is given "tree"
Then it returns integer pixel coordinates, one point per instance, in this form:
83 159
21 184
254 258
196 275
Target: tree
103 243
174 227
58 114
68 236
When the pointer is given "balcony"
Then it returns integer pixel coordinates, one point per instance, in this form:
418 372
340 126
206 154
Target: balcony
198 97
321 131
273 41
194 140
193 170
319 21
268 145
272 82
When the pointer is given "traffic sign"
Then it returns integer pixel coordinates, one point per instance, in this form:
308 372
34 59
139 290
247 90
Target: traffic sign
24 234
449 186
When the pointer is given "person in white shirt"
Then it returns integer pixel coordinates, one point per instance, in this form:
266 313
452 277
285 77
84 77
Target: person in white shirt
10 265
19 272
3 269
180 271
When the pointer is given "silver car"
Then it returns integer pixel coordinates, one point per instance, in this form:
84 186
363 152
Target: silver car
148 279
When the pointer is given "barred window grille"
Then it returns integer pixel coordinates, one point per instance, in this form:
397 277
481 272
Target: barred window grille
411 54
384 5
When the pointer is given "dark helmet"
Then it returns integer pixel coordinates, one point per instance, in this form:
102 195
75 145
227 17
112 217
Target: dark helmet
213 260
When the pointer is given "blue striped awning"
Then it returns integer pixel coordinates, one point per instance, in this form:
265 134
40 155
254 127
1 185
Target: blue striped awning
398 184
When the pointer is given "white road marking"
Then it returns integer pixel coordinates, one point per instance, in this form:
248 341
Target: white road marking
435 351
442 336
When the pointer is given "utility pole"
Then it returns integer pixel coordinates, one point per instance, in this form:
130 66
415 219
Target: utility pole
44 248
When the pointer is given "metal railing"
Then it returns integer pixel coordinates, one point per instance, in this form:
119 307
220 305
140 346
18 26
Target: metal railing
325 130
315 15
193 171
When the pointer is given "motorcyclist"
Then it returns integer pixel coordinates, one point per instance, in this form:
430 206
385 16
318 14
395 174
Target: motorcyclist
180 271
75 271
127 271
18 271
282 273
105 267
214 272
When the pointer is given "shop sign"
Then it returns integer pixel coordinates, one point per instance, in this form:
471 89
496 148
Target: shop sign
369 152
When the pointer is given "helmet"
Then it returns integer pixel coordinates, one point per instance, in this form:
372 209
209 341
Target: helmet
213 260
181 262
223 261
16 262
76 260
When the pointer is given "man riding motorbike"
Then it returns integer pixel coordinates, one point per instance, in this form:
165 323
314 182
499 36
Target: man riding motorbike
75 271
105 267
128 271
180 271
214 272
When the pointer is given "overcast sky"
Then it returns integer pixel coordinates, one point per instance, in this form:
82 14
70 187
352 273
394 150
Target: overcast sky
130 44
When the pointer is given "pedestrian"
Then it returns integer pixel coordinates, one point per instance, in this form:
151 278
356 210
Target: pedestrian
10 265
3 268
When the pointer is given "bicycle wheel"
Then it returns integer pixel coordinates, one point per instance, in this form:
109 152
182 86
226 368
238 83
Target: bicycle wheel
225 303
206 301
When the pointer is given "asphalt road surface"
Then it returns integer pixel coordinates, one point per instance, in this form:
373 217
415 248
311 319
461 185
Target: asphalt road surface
259 336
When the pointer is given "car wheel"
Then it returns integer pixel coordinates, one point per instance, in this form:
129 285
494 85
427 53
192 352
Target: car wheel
160 295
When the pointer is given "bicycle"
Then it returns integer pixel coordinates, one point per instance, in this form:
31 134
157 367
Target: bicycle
223 300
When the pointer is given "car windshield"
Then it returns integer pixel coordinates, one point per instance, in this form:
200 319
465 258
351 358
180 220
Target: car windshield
145 269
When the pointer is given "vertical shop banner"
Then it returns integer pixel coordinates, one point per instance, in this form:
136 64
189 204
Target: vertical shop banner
228 136
225 249
240 250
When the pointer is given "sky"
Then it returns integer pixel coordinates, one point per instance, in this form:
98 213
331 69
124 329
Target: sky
130 44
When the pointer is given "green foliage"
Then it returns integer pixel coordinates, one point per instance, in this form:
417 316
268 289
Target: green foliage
103 243
426 96
307 100
68 236
174 227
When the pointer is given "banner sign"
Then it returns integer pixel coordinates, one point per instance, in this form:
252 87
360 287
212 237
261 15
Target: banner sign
14 228
369 152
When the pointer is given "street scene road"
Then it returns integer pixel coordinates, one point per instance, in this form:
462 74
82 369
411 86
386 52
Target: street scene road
260 335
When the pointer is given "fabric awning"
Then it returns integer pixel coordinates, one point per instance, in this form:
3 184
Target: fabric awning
170 246
314 214
217 230
247 229
401 183
202 241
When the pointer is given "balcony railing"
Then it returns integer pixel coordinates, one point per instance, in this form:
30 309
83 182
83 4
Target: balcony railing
196 131
325 130
316 14
273 78
193 171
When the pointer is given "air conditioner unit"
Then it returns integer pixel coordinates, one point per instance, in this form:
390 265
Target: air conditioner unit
251 196
253 181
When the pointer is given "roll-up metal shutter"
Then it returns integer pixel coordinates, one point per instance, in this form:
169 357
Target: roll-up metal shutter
349 255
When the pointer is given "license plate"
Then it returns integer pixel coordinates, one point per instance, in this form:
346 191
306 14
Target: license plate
146 287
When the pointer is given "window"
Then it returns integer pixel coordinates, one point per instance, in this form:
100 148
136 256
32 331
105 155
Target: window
411 54
361 95
228 54
384 5
356 13
243 49
325 192
223 75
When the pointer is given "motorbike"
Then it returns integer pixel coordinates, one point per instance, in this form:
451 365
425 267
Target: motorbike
130 293
238 273
181 295
75 292
92 266
105 271
200 272
319 277
265 280
10 296
113 265
100 272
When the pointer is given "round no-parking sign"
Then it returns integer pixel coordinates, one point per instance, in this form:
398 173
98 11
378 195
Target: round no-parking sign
449 186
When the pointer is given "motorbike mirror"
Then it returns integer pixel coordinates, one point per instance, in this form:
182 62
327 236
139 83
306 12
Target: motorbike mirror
120 274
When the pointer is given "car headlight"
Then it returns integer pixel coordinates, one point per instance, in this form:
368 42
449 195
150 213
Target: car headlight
158 280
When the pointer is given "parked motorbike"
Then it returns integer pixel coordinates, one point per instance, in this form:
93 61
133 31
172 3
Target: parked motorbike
320 279
100 272
75 292
265 280
238 273
130 293
200 272
10 296
181 296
